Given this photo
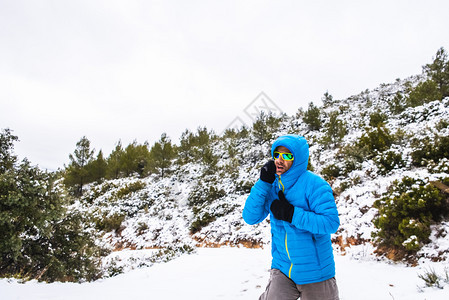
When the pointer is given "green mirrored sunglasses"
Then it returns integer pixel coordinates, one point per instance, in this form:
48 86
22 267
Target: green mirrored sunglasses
285 155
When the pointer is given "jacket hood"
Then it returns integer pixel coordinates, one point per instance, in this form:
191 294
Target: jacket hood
299 147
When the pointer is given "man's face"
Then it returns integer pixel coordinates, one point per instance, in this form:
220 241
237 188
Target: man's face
282 165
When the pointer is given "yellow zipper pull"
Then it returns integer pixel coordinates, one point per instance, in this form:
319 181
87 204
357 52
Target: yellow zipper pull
280 183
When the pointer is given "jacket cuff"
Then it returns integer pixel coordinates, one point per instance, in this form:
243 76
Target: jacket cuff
263 185
298 213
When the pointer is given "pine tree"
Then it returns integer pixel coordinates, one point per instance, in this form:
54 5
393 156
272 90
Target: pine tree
7 159
185 153
438 71
97 168
114 160
265 127
77 173
40 238
335 130
327 99
161 155
424 92
197 147
398 103
134 159
312 117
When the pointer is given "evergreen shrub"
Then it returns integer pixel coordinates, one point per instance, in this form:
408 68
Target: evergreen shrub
129 189
427 149
377 119
201 221
110 223
398 103
40 237
335 130
265 127
388 161
330 172
376 140
312 117
425 92
200 199
405 214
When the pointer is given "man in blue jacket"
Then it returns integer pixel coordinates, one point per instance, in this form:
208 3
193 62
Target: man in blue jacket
303 214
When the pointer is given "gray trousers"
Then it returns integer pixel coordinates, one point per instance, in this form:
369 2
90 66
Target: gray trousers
280 287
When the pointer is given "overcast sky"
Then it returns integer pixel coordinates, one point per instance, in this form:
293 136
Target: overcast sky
132 70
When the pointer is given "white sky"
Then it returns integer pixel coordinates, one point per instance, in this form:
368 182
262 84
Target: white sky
128 70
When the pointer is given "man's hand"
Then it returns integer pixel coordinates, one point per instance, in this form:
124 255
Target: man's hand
268 171
282 209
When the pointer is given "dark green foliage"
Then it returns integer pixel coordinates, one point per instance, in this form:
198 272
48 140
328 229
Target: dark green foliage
327 99
331 172
200 222
377 119
375 140
7 158
352 156
27 204
348 159
312 117
429 150
69 254
200 200
239 134
110 223
436 87
244 187
40 238
265 127
129 189
444 123
114 161
406 213
398 103
134 159
388 161
197 148
161 155
97 168
432 279
202 196
425 92
186 151
373 144
335 130
77 174
438 71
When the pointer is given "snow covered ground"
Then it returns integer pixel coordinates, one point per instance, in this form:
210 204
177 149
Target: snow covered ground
233 273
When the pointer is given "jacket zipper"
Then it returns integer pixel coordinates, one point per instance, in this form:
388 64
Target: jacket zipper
288 254
281 184
286 245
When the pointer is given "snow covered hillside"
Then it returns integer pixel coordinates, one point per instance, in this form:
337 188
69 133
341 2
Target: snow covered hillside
373 148
197 205
230 273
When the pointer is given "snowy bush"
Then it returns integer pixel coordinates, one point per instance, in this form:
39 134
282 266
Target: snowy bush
430 150
405 214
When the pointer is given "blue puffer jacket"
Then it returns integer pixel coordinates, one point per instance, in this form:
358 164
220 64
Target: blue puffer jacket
301 250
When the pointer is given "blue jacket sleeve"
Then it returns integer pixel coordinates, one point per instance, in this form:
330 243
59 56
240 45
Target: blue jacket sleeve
323 215
256 206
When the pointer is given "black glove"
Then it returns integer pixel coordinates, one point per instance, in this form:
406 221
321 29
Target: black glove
282 209
267 172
